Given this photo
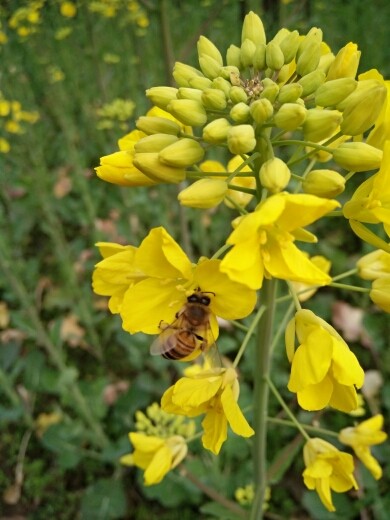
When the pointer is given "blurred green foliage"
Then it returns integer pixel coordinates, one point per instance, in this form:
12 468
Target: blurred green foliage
70 378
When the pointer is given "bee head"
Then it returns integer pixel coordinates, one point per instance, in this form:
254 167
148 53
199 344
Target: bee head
200 297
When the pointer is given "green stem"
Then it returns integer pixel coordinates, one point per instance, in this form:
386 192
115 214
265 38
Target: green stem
248 335
306 427
349 287
287 409
261 392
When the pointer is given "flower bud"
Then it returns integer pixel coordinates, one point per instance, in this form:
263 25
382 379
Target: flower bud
274 175
189 93
227 71
289 93
261 110
207 48
346 63
248 49
362 107
216 131
209 66
271 90
280 35
289 46
203 194
128 141
241 139
380 292
240 113
334 92
253 29
233 56
183 73
314 36
309 59
152 167
357 157
222 84
200 82
374 265
214 99
161 96
323 183
154 143
188 111
311 82
157 125
238 95
118 168
181 154
259 62
320 124
290 116
274 56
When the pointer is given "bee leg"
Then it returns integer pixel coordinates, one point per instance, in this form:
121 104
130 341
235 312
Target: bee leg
203 342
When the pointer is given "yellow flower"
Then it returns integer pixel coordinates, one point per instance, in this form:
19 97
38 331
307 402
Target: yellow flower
380 292
263 241
213 393
371 201
324 372
361 437
151 283
374 265
5 147
68 9
155 455
381 131
327 470
305 291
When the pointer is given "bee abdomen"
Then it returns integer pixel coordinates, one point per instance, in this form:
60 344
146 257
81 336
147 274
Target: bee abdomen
186 342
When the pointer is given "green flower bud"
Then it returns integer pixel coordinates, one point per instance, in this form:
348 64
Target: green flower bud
274 175
183 73
326 61
346 63
157 125
248 49
323 183
200 82
320 124
188 111
152 167
233 56
309 59
241 139
290 116
216 131
189 93
240 113
271 90
210 67
289 46
289 93
280 35
222 84
154 143
214 99
311 40
238 95
259 62
203 194
261 110
334 92
161 96
206 47
274 56
362 107
357 156
227 71
253 29
311 82
181 154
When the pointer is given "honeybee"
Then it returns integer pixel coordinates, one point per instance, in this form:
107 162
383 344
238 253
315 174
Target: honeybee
190 331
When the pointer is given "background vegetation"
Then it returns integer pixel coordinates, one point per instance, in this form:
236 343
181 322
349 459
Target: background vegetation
70 378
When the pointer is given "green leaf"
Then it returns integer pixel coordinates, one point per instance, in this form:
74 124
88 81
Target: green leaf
220 511
103 500
65 440
284 459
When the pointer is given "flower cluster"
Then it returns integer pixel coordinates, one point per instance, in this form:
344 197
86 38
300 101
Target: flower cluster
12 120
278 111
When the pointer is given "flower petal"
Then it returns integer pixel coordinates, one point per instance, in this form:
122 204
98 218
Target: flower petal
303 209
158 467
193 392
345 366
235 417
316 397
344 398
215 430
243 264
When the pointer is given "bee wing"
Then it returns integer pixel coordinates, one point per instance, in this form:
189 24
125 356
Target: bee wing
210 351
165 341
